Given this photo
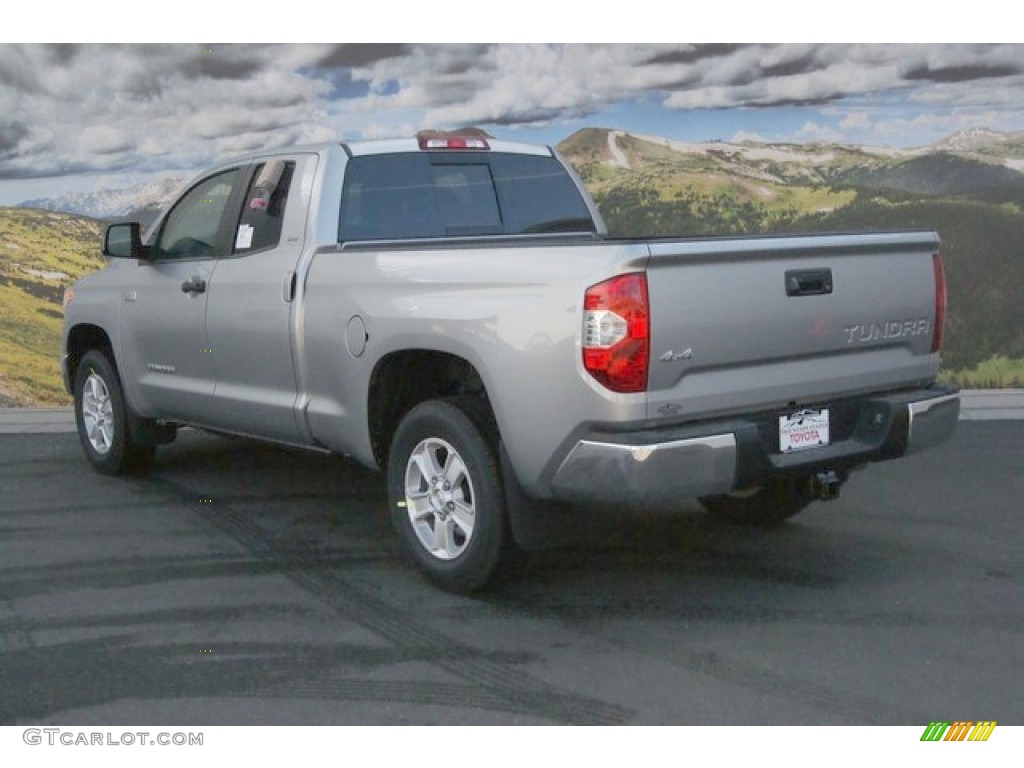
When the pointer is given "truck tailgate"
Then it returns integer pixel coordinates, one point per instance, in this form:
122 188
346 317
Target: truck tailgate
745 324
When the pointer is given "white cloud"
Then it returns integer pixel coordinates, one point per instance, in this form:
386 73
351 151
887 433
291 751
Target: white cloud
813 132
103 107
152 108
741 136
381 131
928 128
104 140
856 121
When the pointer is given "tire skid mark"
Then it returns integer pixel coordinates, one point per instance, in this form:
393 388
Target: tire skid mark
712 664
16 467
865 710
47 510
504 682
134 572
162 616
15 633
430 694
734 614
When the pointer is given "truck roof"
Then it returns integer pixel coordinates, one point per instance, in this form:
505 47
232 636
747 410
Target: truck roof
388 146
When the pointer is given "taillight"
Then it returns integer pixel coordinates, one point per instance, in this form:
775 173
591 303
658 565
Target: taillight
615 333
437 141
940 302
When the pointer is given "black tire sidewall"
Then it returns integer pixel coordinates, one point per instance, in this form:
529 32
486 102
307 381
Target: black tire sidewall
474 567
123 454
771 505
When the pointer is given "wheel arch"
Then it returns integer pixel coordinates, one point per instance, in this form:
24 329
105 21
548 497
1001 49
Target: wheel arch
403 379
82 338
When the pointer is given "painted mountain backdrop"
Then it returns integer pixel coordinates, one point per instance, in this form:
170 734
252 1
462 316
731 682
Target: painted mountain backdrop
969 187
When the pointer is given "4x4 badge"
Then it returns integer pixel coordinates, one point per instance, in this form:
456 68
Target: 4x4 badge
671 356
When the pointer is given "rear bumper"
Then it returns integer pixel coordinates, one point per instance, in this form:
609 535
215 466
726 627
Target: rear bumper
931 421
727 455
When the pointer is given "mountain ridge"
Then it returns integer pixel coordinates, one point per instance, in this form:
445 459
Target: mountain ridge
1000 155
116 203
145 200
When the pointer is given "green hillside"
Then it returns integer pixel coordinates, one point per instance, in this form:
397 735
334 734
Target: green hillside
40 253
942 173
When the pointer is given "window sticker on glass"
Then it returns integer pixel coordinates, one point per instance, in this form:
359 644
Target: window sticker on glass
244 237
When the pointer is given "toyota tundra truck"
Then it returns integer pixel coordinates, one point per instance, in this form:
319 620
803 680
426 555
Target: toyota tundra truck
450 310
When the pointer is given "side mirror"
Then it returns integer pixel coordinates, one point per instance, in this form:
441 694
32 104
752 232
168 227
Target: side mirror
124 241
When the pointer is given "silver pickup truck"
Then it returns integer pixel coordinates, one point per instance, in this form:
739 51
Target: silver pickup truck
450 309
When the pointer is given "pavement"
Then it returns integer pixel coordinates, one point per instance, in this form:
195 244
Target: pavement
27 421
975 405
243 584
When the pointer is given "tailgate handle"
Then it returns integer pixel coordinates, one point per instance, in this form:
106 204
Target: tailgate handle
808 282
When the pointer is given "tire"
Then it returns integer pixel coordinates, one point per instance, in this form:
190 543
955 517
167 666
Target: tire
765 506
105 424
446 497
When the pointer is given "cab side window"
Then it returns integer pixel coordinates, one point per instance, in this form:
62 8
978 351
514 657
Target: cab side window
193 228
263 207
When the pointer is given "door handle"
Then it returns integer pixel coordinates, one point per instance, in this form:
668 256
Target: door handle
194 285
808 282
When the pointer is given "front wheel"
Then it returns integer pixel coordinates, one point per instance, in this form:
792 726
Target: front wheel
102 416
446 497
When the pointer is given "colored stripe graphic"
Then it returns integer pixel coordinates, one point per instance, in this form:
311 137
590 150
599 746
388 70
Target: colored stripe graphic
959 730
982 730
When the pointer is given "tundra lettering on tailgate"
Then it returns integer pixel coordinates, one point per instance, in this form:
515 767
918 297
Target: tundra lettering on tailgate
887 329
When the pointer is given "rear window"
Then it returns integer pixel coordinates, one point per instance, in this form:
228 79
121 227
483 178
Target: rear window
457 194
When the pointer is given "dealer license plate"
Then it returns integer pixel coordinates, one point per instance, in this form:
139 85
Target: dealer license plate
802 430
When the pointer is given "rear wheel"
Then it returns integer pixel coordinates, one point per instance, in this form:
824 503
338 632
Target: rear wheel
103 419
446 497
766 505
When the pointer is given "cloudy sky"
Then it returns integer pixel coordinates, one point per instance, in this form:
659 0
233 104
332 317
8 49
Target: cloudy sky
85 117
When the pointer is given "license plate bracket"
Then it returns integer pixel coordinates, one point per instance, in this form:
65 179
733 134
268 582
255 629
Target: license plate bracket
803 430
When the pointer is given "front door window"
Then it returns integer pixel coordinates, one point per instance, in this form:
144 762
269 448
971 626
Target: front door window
192 230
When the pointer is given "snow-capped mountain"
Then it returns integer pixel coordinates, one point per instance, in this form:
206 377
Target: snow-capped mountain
135 201
971 138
